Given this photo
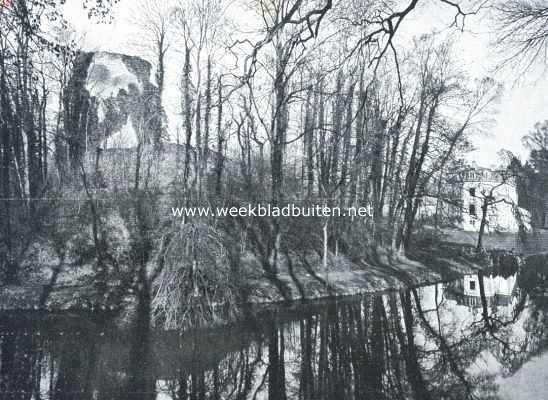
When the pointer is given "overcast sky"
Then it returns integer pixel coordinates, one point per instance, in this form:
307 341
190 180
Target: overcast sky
523 103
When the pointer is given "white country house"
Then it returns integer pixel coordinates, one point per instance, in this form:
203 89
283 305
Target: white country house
503 212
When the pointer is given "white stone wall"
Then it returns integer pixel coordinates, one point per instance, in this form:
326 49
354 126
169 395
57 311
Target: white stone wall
500 216
493 286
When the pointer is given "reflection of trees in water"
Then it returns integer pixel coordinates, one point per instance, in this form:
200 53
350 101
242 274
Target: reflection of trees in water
232 378
381 347
533 281
140 377
18 368
34 365
76 368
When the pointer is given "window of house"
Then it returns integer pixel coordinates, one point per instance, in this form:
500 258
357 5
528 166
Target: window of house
472 285
472 209
472 192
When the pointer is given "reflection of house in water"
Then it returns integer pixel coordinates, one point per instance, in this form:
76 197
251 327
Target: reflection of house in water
499 291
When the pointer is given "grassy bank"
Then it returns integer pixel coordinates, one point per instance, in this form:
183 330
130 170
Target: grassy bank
303 277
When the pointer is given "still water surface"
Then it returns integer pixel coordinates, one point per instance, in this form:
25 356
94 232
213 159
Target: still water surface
480 337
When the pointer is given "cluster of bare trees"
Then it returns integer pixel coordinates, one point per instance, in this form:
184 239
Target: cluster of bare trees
24 92
34 70
314 121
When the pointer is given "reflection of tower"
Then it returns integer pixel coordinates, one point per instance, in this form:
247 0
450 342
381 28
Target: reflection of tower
498 290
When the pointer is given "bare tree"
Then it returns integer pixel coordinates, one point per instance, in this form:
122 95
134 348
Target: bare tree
153 20
522 33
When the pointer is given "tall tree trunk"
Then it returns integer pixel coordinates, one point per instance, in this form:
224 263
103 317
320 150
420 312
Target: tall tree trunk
309 143
207 121
337 132
323 162
220 140
416 168
7 260
483 224
346 143
160 72
358 157
279 134
198 155
187 111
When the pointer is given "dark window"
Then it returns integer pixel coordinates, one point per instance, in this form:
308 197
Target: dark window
472 192
472 209
472 285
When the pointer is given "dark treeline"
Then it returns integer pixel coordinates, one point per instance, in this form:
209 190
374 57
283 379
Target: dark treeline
533 173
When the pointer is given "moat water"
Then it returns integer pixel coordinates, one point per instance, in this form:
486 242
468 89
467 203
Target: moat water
479 337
